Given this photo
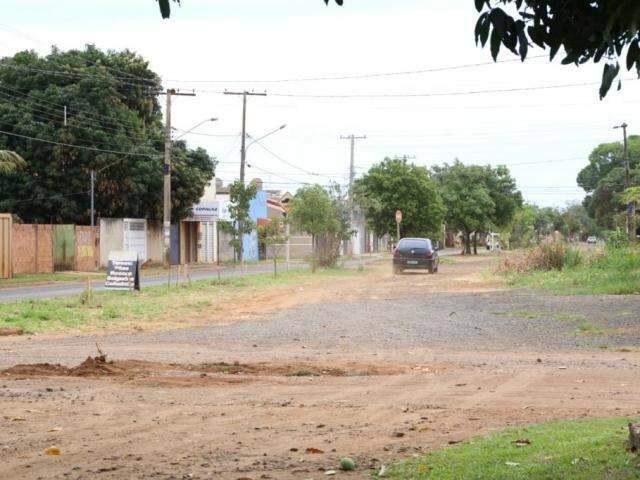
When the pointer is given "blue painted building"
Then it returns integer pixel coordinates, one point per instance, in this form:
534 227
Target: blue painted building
257 209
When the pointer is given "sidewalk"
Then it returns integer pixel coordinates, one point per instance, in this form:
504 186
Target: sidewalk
154 277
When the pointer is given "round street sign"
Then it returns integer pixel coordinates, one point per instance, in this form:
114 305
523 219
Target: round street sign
398 216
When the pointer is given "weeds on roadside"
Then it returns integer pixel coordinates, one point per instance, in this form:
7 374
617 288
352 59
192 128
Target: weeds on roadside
549 255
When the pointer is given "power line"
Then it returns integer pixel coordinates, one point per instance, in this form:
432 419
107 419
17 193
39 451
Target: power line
59 107
424 95
70 145
77 74
362 76
286 162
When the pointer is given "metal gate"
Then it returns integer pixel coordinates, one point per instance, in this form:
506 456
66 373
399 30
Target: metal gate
5 245
64 247
135 237
209 241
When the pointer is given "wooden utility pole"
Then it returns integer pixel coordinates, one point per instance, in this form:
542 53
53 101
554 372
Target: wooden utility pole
166 216
243 150
352 176
93 193
243 146
627 179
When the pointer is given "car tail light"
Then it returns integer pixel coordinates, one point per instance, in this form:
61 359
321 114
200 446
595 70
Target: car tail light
396 253
429 253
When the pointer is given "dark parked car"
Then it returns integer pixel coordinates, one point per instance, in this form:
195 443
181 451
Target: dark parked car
415 253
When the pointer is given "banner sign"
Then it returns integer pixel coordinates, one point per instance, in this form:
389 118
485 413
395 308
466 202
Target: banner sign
206 212
123 271
211 212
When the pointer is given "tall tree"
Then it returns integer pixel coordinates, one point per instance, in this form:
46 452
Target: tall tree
395 184
604 180
71 112
477 198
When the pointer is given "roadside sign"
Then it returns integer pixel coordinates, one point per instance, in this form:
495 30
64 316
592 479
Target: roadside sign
123 271
398 216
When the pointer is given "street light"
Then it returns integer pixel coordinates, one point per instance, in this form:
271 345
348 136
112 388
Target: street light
256 140
196 126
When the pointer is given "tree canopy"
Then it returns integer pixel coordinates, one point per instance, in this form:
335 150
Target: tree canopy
584 31
395 184
477 198
112 124
604 180
322 214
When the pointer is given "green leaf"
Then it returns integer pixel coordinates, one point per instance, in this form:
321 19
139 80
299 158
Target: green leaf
495 43
165 8
609 73
633 54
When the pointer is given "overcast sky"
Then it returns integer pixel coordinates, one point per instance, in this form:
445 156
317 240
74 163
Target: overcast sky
543 135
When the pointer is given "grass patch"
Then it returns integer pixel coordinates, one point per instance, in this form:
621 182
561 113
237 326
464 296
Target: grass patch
570 317
615 273
576 450
153 305
39 278
586 328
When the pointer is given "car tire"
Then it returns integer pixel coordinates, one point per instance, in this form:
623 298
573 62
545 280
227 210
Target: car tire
431 268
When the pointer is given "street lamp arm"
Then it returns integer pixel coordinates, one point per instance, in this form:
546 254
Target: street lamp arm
256 140
186 132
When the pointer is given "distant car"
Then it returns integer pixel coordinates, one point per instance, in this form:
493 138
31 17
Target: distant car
415 254
592 240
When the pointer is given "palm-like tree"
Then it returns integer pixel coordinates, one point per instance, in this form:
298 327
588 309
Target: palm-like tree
10 162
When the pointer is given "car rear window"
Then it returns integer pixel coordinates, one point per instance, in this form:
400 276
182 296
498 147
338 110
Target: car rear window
411 243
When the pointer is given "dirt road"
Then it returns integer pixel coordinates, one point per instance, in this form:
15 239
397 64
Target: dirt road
375 367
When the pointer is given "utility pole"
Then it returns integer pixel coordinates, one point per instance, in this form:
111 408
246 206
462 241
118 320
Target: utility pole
93 209
243 148
166 216
352 176
627 177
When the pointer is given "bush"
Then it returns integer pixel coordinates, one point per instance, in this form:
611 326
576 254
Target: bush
617 238
549 255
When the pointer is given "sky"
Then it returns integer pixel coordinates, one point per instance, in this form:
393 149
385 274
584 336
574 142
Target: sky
295 49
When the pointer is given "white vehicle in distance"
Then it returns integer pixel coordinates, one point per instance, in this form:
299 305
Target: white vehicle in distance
592 240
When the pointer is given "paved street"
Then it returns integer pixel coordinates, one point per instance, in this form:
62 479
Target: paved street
12 294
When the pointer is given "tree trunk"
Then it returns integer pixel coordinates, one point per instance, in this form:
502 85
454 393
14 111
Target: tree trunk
634 436
467 243
313 253
475 243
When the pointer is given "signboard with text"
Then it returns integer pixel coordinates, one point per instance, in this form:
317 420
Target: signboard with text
123 271
211 212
